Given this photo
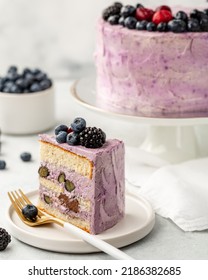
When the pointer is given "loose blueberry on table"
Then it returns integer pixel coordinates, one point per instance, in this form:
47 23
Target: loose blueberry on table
161 19
28 81
2 164
26 156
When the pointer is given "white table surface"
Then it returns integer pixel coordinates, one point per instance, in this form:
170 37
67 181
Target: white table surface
166 241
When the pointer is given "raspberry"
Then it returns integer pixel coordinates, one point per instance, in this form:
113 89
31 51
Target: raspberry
5 239
144 14
162 16
163 7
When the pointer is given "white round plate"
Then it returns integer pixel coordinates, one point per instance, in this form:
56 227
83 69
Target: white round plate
138 222
83 91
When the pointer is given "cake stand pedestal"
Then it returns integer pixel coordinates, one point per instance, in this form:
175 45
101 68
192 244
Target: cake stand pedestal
172 139
174 144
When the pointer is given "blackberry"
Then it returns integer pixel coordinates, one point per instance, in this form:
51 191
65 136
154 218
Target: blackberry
5 239
92 137
111 11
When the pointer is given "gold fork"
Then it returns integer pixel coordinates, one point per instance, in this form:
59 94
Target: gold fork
19 200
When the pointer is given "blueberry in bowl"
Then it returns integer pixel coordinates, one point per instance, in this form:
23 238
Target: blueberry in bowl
26 101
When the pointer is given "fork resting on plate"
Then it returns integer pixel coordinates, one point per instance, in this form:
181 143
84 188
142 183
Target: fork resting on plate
19 200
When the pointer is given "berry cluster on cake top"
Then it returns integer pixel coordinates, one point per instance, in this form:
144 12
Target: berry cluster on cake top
79 134
160 19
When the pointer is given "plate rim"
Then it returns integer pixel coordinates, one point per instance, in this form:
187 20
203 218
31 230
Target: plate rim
31 239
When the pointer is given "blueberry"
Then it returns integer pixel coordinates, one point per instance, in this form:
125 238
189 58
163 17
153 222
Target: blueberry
61 127
193 25
177 26
151 26
78 125
72 139
35 87
12 69
127 11
40 77
121 21
35 71
181 15
61 137
15 89
141 25
162 27
130 22
26 156
21 83
29 78
204 23
196 14
6 90
12 76
206 12
30 212
2 164
113 20
45 84
26 71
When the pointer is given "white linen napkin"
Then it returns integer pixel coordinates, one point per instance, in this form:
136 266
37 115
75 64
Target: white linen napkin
178 192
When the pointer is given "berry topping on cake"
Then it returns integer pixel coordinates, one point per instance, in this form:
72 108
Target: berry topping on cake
72 139
130 22
127 11
79 134
78 125
162 16
141 25
111 11
30 212
5 239
92 137
61 137
161 19
144 14
163 7
162 27
177 26
151 26
61 127
193 25
113 20
181 15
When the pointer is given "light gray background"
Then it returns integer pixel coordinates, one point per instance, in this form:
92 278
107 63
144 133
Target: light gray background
56 35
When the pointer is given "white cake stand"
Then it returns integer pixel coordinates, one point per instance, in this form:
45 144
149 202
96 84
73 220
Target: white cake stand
172 139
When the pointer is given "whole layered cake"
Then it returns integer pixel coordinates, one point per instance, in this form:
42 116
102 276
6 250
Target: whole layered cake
152 62
81 176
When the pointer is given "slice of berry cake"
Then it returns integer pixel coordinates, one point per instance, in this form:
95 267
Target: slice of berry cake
81 176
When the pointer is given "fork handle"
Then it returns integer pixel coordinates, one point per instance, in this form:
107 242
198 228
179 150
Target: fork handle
97 242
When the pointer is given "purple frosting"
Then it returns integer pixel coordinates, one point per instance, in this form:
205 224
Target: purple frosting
151 73
105 190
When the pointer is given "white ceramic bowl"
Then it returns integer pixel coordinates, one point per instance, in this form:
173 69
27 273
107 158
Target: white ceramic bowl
27 113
